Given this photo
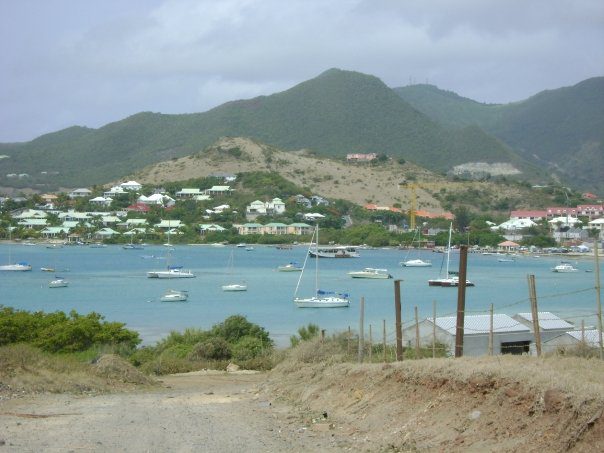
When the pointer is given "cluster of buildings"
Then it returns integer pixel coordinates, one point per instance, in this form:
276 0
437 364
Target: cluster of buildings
502 334
69 224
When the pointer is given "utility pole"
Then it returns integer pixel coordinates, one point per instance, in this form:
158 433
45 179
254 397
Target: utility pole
599 301
461 300
398 320
535 313
361 330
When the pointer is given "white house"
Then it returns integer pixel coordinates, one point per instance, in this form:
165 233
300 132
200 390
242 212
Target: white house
210 227
115 191
218 190
131 185
169 224
275 206
509 335
101 201
188 193
311 216
157 199
80 193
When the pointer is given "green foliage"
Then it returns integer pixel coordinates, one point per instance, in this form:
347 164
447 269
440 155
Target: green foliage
236 327
305 333
58 332
215 348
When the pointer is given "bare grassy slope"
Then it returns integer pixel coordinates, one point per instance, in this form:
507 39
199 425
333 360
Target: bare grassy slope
488 404
358 183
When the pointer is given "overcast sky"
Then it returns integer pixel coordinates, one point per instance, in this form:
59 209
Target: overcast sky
91 62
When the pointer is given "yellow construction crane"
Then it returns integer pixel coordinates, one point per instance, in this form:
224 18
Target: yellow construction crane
412 186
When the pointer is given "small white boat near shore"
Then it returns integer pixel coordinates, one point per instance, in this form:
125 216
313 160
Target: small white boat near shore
58 282
370 272
173 295
564 268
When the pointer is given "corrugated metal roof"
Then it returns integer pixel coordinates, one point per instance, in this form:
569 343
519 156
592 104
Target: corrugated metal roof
480 324
547 320
592 337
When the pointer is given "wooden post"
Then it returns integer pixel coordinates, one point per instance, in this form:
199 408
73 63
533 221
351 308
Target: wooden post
416 334
583 332
361 330
398 322
348 342
534 313
322 335
491 331
433 329
384 337
370 345
461 300
598 298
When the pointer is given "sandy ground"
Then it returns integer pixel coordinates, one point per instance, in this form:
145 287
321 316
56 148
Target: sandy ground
502 404
201 411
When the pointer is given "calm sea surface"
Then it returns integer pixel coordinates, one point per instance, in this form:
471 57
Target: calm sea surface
112 281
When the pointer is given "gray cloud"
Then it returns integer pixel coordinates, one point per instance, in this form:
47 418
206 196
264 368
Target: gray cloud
69 62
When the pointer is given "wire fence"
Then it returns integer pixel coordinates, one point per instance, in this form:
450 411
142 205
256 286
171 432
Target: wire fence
485 332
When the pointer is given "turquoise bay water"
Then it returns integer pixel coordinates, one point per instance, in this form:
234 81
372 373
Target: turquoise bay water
112 281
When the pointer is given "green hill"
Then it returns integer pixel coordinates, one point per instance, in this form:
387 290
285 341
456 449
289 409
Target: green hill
562 129
336 113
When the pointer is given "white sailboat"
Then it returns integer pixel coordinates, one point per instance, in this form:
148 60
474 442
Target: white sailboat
20 266
174 295
449 279
321 299
233 286
417 262
171 271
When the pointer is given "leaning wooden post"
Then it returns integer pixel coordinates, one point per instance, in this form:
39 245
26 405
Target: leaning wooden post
461 300
384 338
348 342
416 334
398 321
491 331
370 345
361 330
598 297
534 313
433 329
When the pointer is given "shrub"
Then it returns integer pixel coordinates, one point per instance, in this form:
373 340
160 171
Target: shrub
214 349
248 348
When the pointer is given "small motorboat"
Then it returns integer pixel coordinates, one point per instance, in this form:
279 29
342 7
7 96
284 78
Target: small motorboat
290 267
565 267
173 295
234 287
58 282
416 263
370 272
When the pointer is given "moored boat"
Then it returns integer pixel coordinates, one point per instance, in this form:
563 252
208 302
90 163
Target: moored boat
58 282
290 267
564 267
370 272
173 295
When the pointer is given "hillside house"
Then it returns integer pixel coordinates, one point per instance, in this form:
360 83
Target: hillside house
249 228
27 213
105 233
257 208
32 223
535 216
168 224
299 229
54 232
138 207
210 228
591 211
115 191
80 193
302 200
561 211
157 199
101 201
359 158
226 177
509 335
275 228
218 190
188 193
131 186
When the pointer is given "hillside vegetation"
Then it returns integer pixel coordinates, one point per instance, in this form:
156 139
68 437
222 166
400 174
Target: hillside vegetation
336 113
337 179
560 129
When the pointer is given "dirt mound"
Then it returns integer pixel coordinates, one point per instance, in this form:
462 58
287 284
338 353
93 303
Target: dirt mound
114 368
487 404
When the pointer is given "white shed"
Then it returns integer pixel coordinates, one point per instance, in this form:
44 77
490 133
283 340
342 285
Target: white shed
509 335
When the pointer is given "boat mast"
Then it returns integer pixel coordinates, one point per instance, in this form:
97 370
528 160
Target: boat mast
449 250
317 262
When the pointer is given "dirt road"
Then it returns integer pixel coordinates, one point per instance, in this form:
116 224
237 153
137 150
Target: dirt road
203 411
